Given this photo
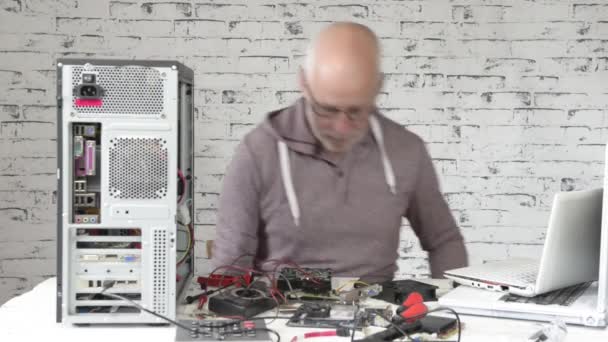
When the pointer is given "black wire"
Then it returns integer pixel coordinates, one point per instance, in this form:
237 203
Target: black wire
191 299
276 314
404 333
190 329
396 327
455 314
270 331
269 317
149 311
110 284
352 336
444 309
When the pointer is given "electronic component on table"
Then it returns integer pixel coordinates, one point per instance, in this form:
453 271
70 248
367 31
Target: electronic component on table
395 292
244 302
357 294
393 333
318 315
379 317
223 330
220 280
438 325
309 280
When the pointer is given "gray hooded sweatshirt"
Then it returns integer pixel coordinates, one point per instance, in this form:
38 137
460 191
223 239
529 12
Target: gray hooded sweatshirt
285 198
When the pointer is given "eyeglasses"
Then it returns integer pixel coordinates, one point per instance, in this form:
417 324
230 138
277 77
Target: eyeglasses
330 112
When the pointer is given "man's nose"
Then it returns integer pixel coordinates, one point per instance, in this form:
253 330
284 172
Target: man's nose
342 124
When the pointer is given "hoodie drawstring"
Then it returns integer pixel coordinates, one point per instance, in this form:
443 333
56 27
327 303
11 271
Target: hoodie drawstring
288 182
389 174
286 174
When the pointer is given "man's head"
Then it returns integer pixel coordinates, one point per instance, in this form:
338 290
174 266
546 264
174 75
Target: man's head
340 80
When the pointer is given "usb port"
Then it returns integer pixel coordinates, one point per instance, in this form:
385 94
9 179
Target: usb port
85 200
80 186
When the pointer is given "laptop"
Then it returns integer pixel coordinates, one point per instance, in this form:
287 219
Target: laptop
570 254
574 256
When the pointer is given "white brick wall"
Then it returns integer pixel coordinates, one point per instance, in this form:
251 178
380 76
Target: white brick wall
511 96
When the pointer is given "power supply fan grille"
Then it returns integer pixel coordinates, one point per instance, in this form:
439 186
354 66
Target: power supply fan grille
138 168
160 271
133 90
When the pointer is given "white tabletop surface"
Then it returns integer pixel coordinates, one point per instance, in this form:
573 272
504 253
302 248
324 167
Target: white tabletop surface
31 317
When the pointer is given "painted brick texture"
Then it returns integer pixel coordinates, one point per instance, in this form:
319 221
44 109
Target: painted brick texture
510 96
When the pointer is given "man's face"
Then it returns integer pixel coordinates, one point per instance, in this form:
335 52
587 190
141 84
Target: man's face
341 120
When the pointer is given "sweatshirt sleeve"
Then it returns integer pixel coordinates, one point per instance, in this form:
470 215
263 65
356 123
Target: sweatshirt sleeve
238 213
432 220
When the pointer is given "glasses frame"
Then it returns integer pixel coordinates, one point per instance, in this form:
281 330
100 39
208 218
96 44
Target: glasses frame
354 115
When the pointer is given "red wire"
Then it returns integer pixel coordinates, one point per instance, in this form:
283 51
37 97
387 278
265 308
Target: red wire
320 334
280 295
183 179
315 334
274 297
242 269
223 275
273 288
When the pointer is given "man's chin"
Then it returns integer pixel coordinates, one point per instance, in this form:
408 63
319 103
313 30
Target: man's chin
337 147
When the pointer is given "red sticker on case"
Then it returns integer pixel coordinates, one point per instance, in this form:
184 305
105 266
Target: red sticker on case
88 102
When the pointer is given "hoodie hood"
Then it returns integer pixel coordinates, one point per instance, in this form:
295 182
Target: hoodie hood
293 133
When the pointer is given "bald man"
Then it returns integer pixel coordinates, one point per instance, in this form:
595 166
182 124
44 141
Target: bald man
326 182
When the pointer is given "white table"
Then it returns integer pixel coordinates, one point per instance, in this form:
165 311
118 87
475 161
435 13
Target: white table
31 317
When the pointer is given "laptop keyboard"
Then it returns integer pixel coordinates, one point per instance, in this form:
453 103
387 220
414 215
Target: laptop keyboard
564 297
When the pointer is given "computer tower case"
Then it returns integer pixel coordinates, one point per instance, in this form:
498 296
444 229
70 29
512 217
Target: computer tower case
125 195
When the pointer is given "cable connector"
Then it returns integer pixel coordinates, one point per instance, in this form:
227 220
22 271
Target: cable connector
108 284
183 214
343 331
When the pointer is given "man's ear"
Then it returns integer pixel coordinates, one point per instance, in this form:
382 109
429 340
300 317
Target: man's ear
302 81
380 82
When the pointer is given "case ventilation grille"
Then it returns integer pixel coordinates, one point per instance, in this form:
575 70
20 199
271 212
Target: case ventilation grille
138 168
132 90
159 298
